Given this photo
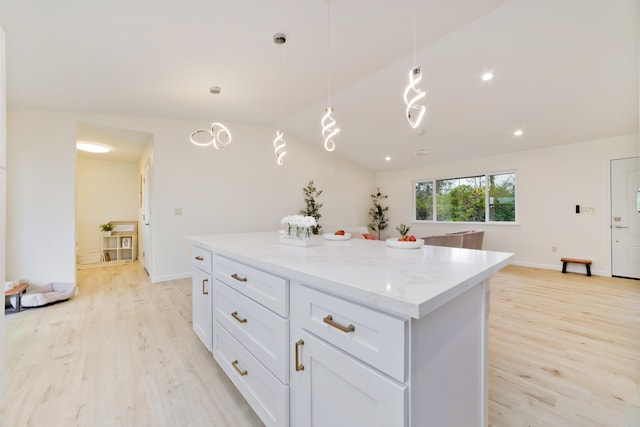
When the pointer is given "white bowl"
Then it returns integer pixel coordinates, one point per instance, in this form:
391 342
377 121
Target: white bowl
393 242
331 236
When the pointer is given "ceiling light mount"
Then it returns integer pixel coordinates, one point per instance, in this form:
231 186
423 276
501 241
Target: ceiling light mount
279 38
92 147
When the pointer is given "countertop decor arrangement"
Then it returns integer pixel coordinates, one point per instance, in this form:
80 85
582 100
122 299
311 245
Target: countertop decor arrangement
298 231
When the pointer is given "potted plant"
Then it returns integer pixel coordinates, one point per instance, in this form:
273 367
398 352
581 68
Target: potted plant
106 228
313 207
378 213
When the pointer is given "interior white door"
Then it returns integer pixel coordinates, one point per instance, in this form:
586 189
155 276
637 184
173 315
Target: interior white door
625 218
146 217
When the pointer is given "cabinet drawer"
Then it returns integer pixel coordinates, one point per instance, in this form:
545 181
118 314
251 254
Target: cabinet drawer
202 259
267 396
375 338
261 331
267 289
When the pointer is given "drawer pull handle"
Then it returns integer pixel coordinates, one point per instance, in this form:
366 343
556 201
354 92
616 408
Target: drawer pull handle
299 366
235 316
329 321
204 290
238 278
235 366
199 258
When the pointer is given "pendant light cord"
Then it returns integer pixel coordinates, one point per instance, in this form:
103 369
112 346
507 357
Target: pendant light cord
413 3
328 56
280 86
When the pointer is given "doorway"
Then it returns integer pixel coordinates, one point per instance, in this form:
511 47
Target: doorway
107 190
625 218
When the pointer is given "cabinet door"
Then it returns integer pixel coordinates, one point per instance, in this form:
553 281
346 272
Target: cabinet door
334 389
202 303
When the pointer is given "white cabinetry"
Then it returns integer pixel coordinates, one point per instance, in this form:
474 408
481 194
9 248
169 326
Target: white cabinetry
202 296
121 247
355 334
251 336
349 365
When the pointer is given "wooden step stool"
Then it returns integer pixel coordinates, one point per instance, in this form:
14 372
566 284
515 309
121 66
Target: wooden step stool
586 262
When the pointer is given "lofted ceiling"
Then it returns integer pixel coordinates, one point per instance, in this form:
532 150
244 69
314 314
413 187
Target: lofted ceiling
565 70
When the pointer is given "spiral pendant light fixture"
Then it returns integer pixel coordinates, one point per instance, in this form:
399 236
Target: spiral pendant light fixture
279 144
329 129
218 135
412 93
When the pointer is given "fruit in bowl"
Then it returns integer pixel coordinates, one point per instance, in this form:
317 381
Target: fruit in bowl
404 234
339 233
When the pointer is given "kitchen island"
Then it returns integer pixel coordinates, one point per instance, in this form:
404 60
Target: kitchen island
347 332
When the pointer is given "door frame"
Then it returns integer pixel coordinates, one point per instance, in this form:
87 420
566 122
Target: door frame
610 207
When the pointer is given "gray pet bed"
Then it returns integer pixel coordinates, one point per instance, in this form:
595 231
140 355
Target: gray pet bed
47 294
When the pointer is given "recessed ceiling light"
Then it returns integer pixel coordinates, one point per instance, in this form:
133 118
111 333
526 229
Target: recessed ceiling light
518 132
387 158
92 147
487 76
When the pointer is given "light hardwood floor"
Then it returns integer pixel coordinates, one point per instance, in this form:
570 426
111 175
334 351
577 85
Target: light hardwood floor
564 351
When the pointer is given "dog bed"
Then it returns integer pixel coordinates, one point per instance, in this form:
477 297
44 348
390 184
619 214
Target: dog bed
47 294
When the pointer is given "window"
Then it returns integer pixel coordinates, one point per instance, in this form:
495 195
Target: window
481 198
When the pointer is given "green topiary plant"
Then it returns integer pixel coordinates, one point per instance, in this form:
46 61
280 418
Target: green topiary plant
313 207
378 213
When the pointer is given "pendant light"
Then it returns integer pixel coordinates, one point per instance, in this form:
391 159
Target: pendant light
328 122
218 136
279 143
412 94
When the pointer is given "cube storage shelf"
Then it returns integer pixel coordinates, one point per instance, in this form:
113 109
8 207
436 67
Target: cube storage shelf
120 247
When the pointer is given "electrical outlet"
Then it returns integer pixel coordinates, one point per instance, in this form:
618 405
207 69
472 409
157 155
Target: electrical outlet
177 211
554 249
584 210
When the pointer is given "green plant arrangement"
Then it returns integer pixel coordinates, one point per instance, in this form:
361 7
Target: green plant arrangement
313 207
106 227
403 229
378 213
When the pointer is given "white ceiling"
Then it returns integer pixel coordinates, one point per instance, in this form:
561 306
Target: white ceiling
565 70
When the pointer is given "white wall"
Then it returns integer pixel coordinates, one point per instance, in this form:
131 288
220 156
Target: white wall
3 135
105 191
41 173
550 182
237 189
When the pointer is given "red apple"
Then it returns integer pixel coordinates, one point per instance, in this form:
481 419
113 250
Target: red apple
339 233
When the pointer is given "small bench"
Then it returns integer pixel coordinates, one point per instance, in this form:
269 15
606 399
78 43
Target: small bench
586 262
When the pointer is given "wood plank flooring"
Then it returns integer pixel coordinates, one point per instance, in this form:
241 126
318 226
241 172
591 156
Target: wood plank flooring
564 351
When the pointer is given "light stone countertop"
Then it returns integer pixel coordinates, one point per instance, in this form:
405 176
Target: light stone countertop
405 282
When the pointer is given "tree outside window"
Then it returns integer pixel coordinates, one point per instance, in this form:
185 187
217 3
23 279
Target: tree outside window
481 198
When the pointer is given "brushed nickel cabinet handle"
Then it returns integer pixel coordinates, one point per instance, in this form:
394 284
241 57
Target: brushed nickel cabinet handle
235 366
204 290
329 321
199 258
235 316
299 366
238 278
